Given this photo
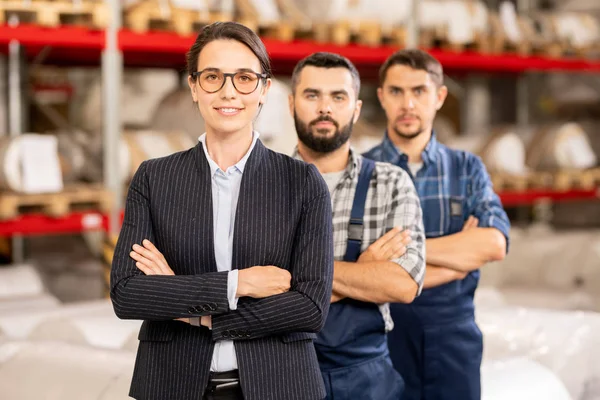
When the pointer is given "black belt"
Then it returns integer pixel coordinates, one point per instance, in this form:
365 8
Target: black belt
223 381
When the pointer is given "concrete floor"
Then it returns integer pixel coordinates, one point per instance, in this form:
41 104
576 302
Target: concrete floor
70 270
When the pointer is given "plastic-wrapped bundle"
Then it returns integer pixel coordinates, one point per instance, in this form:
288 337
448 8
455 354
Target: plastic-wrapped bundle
22 290
520 379
19 281
141 92
89 323
138 146
107 332
503 151
60 371
543 263
30 303
457 21
275 122
176 111
567 343
561 146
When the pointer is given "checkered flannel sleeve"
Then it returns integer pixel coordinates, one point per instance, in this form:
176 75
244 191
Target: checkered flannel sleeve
405 212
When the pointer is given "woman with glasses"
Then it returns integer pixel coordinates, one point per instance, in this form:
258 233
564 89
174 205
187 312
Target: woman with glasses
226 249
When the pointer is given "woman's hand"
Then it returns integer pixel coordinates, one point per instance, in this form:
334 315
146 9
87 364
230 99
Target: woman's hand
152 262
149 260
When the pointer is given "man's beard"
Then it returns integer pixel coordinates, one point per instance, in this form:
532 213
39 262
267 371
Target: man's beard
322 144
410 135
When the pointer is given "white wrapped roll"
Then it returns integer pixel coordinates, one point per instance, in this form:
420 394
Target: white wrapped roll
432 14
176 111
275 122
520 379
138 146
578 29
564 146
567 343
502 152
11 161
324 11
506 153
141 92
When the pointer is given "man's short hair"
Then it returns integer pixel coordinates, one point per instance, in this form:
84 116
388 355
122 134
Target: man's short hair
326 60
416 59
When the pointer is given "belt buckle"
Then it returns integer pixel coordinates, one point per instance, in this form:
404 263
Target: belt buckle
223 384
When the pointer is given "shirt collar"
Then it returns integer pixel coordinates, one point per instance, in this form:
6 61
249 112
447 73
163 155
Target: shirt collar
353 161
394 155
240 165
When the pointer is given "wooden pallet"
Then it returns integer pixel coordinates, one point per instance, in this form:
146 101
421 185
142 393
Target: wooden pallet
541 35
54 13
395 37
284 31
150 16
585 180
438 38
499 43
556 181
365 33
73 198
503 182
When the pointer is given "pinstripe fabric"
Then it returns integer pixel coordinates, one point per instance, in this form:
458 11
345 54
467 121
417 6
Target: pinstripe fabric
283 218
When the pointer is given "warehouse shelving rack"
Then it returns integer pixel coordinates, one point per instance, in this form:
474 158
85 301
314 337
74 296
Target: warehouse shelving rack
115 48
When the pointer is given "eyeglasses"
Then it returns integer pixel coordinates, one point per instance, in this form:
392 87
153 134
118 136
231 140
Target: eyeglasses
212 80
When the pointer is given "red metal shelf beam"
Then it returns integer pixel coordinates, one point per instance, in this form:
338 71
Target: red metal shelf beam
159 44
66 36
39 224
165 49
511 199
68 45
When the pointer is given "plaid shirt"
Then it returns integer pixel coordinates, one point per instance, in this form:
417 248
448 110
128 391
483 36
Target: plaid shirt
391 201
445 210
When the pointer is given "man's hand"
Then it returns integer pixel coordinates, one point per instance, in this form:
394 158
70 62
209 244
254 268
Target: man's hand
263 281
388 247
335 297
472 222
149 260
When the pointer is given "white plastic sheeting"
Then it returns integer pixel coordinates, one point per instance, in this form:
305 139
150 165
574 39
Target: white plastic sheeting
22 290
20 281
549 268
61 371
520 379
90 323
567 343
27 304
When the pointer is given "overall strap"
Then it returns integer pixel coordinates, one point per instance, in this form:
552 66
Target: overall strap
355 229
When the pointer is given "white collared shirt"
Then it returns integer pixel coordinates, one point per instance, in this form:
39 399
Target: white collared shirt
225 193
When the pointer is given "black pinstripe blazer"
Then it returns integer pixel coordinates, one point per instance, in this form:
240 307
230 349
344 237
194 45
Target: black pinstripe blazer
283 218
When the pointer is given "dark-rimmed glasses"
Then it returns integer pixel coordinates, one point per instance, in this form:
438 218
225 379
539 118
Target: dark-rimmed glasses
212 80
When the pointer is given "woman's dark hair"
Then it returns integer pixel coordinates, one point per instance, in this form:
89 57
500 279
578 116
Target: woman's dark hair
228 31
